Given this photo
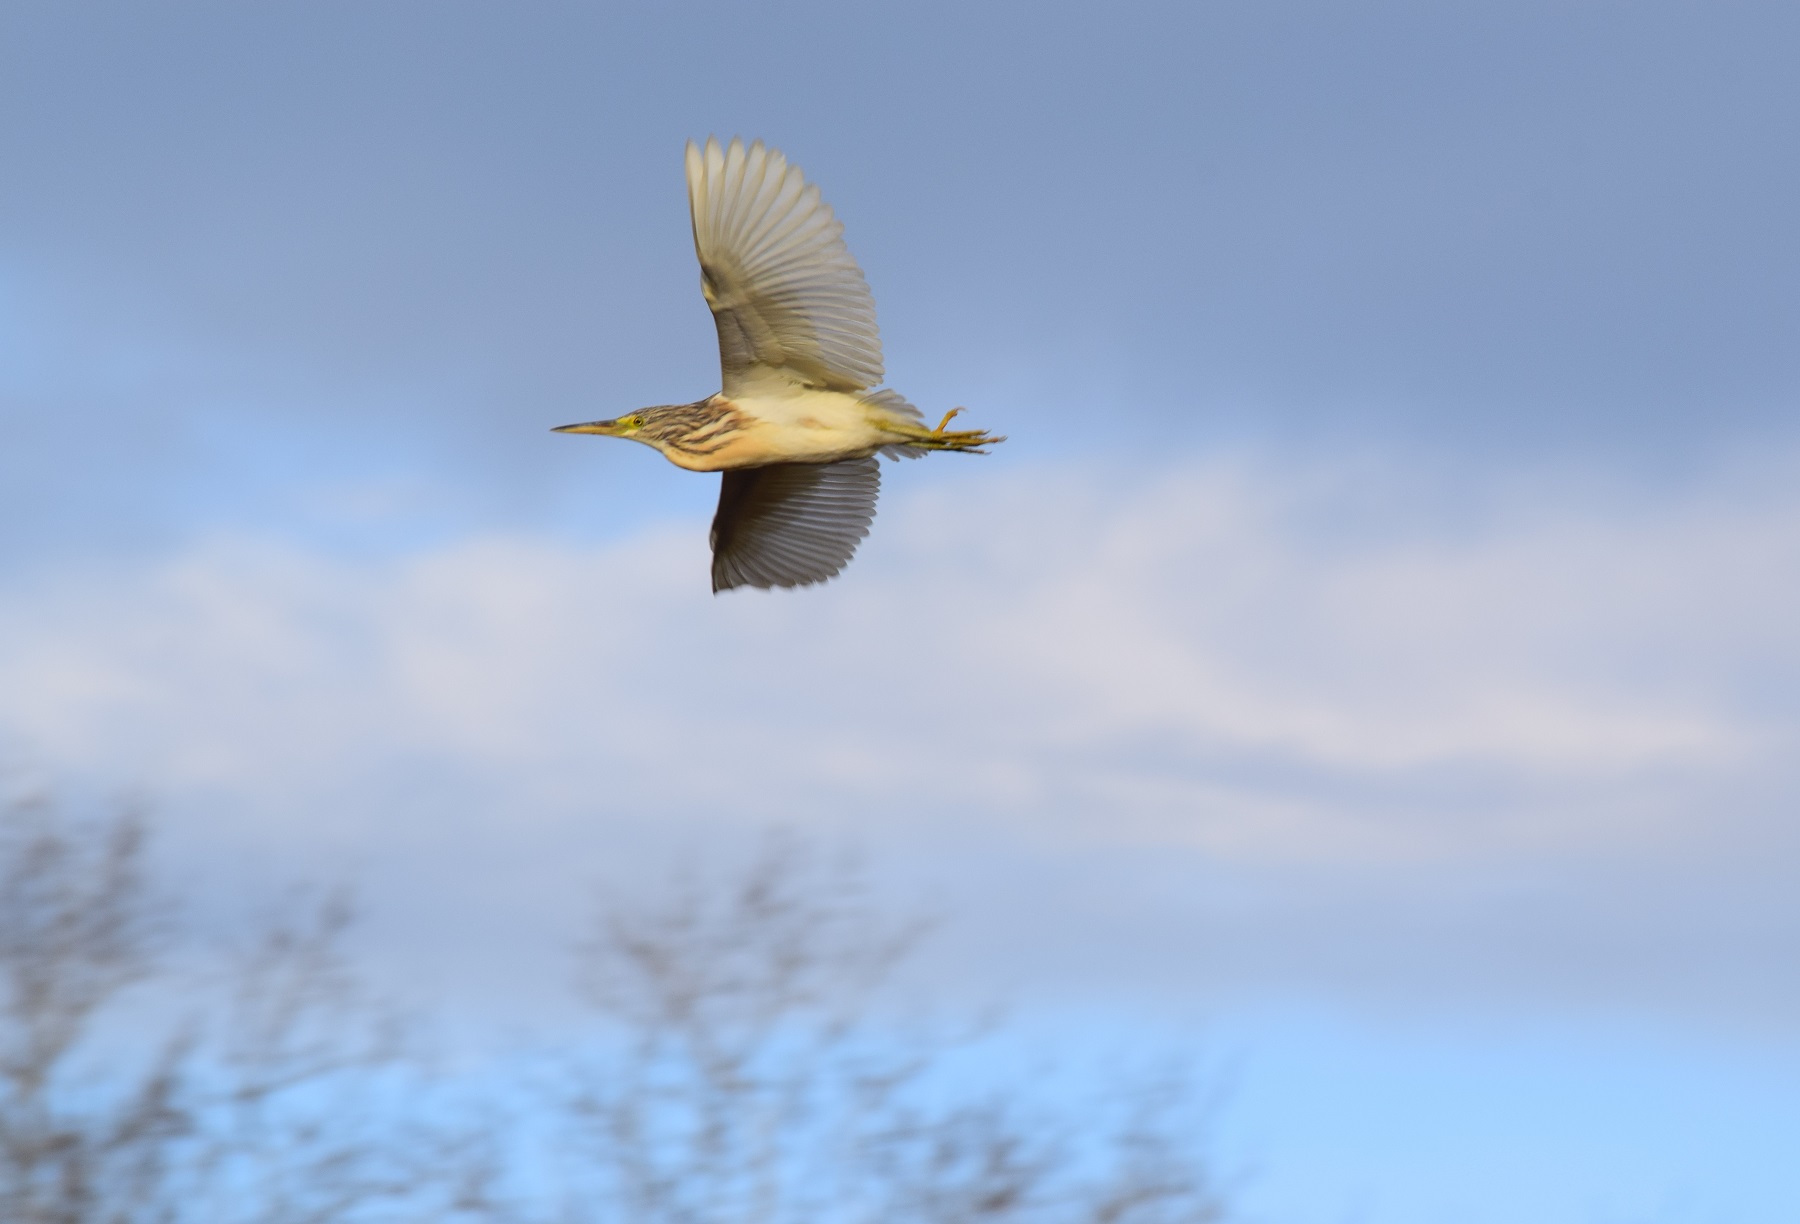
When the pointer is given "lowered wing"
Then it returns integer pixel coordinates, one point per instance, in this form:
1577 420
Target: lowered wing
791 524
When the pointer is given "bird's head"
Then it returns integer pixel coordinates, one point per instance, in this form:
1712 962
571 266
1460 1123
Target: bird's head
686 433
630 426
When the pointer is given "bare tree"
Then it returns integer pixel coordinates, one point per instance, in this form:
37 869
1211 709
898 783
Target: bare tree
76 930
751 1076
751 1071
117 1106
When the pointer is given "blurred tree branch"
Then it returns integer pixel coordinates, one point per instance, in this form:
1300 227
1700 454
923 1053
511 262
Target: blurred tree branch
755 1077
752 1069
113 1111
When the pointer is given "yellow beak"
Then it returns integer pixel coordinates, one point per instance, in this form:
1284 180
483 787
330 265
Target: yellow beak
609 428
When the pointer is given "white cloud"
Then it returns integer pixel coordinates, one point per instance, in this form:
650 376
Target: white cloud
1288 671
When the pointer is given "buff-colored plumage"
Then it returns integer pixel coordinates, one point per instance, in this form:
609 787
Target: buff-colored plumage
797 424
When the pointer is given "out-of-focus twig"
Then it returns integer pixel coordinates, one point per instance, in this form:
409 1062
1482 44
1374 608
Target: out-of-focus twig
752 1077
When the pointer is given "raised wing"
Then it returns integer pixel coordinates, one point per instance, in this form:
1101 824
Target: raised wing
784 291
791 524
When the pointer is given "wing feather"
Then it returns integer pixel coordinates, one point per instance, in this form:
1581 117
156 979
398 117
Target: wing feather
791 524
786 295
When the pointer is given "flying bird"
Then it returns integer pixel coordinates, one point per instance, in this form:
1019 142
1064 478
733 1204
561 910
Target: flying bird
797 423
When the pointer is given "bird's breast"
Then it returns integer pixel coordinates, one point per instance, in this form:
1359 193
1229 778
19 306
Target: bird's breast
808 426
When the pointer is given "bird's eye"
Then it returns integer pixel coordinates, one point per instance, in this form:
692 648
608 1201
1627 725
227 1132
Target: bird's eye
633 422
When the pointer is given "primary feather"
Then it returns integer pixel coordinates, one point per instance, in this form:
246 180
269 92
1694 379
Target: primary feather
789 301
791 524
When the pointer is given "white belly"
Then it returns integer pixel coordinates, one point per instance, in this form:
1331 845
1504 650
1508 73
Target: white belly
798 426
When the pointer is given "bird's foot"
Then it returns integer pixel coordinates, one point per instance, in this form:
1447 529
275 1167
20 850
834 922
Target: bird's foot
940 439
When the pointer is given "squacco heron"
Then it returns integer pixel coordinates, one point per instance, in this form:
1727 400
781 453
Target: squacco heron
796 426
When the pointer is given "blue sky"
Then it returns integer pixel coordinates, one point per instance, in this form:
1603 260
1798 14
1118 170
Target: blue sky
1377 636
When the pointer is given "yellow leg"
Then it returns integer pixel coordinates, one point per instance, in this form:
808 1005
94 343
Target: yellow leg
940 439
